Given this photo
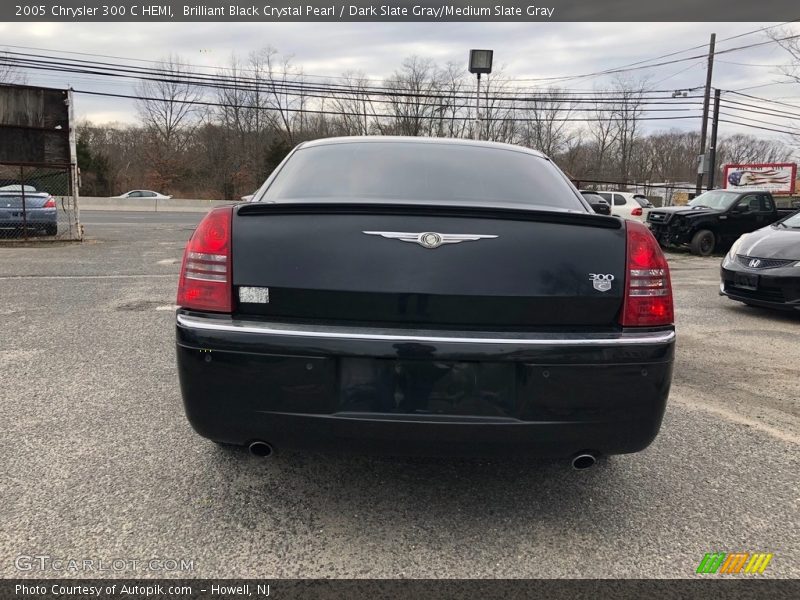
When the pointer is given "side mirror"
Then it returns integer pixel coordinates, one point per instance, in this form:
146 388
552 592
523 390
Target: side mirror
600 206
741 208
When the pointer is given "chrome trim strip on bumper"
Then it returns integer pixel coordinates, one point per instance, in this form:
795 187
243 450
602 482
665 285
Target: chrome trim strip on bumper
422 336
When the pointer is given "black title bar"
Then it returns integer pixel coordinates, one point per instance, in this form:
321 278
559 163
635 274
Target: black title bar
707 588
397 10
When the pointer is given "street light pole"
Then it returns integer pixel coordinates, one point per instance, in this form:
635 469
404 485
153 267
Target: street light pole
480 61
478 110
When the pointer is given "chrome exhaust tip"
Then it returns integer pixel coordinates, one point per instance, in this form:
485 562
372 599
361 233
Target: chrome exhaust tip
583 460
260 449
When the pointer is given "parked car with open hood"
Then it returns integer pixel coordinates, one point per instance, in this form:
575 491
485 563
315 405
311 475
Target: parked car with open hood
423 295
763 268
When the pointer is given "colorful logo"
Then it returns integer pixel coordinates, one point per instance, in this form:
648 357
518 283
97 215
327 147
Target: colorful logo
734 562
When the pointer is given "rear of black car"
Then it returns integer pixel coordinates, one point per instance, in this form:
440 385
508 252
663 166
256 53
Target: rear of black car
424 296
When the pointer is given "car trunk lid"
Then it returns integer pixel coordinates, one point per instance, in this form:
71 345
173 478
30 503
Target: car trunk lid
367 262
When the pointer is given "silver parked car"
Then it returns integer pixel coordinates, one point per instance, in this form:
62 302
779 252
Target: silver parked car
34 210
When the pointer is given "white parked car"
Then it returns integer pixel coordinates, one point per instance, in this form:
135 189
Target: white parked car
627 204
143 194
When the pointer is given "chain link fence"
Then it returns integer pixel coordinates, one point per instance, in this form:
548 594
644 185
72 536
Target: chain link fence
38 203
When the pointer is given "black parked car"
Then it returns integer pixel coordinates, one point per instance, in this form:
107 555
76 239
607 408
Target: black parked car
599 204
414 295
714 218
763 267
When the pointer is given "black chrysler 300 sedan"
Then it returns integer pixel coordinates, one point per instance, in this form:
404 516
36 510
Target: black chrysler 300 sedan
434 296
763 268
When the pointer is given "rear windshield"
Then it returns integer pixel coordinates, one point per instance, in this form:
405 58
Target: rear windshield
421 171
643 202
14 200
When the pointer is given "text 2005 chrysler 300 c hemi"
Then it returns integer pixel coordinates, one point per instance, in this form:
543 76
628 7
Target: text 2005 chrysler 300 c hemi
412 295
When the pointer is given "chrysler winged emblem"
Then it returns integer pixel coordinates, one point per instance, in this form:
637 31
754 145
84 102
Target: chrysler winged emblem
754 263
430 239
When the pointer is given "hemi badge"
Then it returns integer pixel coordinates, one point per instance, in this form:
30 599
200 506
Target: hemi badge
254 295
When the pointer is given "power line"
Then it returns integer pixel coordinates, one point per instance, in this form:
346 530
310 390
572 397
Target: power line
763 99
791 129
741 64
754 108
357 114
679 60
763 85
110 69
301 87
668 55
638 64
758 127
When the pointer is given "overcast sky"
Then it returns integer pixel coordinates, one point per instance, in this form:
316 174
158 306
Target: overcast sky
524 50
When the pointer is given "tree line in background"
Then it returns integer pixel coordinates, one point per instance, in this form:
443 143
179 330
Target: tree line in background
222 138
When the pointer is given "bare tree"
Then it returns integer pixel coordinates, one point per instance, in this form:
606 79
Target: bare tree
9 72
545 127
626 117
278 85
450 121
742 148
669 156
168 106
601 130
412 97
497 112
789 41
355 105
235 142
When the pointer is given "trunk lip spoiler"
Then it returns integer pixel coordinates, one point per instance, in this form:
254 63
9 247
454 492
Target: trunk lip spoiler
232 325
436 209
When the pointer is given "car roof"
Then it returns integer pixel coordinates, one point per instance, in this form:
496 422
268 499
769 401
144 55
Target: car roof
402 139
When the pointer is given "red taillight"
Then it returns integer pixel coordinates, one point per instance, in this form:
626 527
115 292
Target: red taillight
49 203
205 281
648 292
637 212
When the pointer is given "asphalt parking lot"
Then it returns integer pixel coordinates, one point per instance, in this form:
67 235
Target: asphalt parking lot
100 462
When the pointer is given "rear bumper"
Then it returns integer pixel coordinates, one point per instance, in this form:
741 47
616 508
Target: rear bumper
422 392
11 218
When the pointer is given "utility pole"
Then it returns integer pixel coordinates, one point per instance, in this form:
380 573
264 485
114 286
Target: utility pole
712 150
706 100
